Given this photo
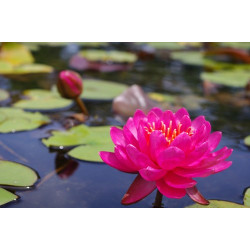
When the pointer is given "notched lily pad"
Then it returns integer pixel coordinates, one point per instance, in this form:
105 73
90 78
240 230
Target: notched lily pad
234 78
6 196
91 139
12 120
226 204
101 90
43 100
17 175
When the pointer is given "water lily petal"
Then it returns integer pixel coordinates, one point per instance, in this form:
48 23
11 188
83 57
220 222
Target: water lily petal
168 191
139 159
168 117
157 111
157 143
180 113
178 181
110 159
196 196
138 190
185 123
138 116
152 174
183 142
214 140
130 125
129 137
143 142
198 122
170 158
117 136
121 155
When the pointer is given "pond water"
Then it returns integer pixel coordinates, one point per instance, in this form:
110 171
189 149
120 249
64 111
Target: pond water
87 184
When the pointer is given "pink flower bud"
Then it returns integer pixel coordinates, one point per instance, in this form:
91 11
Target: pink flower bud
69 84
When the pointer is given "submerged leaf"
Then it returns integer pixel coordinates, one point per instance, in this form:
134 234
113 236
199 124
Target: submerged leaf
17 175
12 120
232 78
43 100
6 196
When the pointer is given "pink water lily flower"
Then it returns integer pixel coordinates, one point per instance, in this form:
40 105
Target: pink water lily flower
167 150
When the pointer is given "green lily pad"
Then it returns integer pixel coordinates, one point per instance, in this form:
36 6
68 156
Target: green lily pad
247 140
90 152
12 120
91 141
4 95
106 56
228 78
225 204
15 54
162 97
43 100
17 175
6 196
101 90
188 57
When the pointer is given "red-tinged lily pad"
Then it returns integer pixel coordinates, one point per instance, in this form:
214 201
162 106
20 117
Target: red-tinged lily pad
225 204
138 190
101 60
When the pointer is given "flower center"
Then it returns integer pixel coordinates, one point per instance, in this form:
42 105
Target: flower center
169 133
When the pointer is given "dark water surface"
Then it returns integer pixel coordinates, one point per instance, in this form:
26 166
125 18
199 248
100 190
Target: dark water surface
88 184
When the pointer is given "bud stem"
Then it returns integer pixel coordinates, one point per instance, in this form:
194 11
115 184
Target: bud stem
82 106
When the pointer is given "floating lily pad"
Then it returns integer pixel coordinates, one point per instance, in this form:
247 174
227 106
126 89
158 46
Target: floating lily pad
4 95
43 100
90 152
12 120
6 196
162 97
166 45
228 78
15 54
225 204
188 57
91 139
17 175
247 140
108 56
101 90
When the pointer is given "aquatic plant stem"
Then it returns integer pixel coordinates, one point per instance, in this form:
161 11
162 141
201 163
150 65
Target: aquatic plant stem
158 200
82 106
